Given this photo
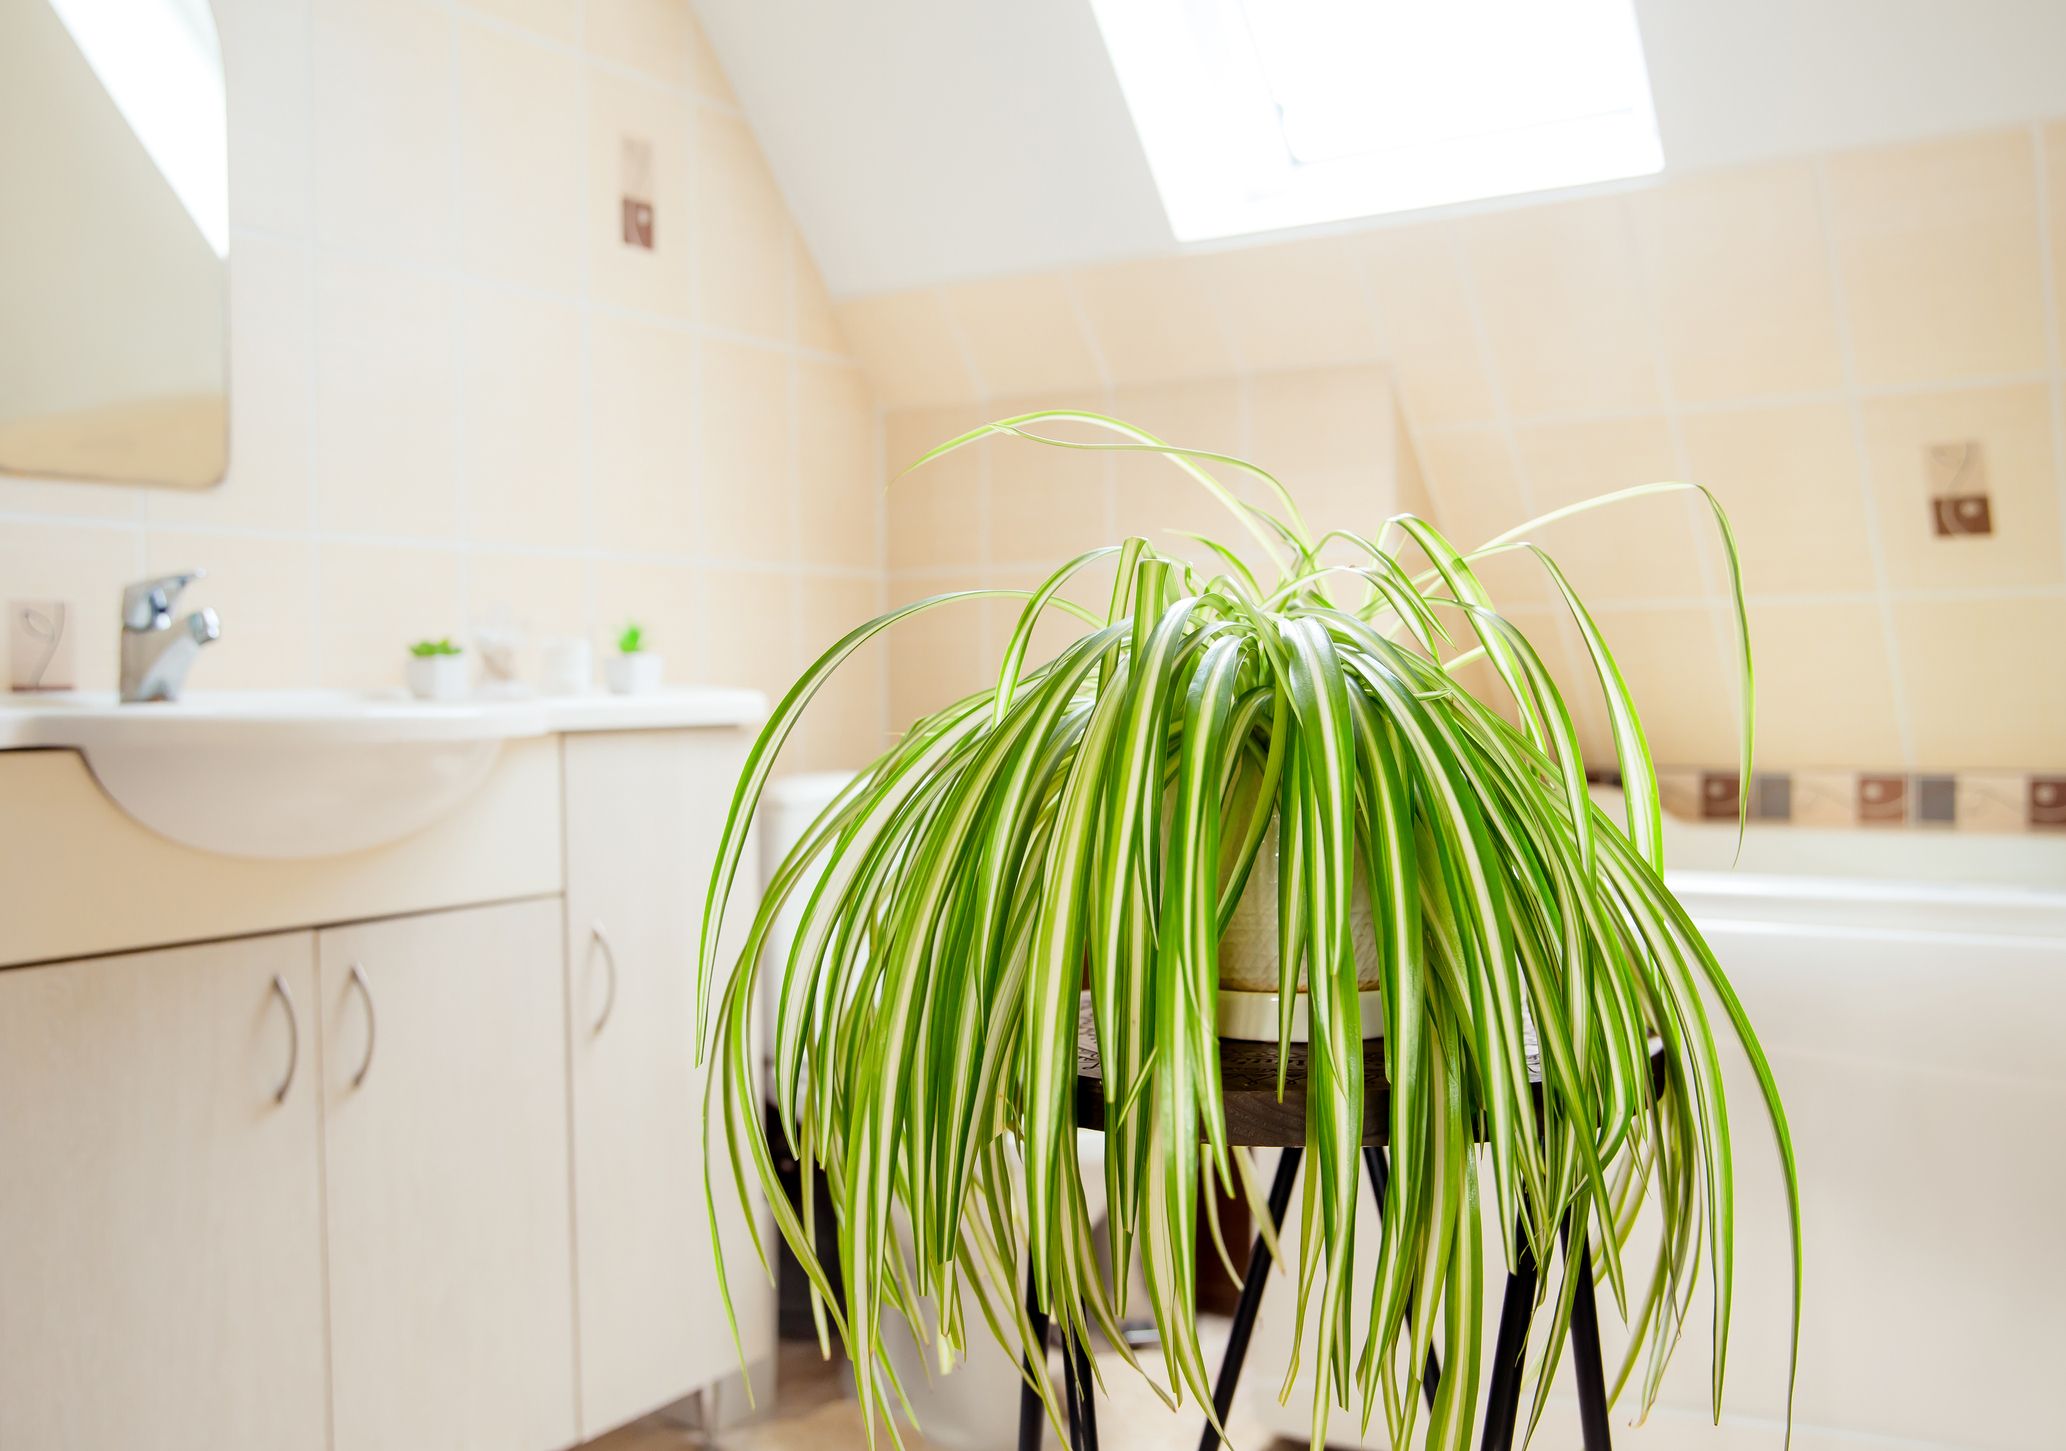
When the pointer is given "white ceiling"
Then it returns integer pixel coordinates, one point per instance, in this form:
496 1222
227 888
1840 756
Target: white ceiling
926 141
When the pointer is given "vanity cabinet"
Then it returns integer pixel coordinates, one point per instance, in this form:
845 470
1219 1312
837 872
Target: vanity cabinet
445 1143
161 1214
644 811
406 1154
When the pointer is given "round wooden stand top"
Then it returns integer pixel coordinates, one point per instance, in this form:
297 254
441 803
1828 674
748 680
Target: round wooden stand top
1248 1082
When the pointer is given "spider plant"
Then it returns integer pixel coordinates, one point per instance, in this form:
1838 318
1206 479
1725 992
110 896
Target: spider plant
1091 819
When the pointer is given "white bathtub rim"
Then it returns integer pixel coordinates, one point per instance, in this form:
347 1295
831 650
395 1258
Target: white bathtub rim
1872 906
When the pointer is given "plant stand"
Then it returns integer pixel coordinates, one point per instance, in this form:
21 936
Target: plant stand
1257 1119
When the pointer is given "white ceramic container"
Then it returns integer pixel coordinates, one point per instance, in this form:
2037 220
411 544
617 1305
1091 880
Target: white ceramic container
637 673
438 677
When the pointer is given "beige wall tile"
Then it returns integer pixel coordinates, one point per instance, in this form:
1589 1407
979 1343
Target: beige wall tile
934 515
1683 685
519 160
746 463
743 234
907 347
641 380
624 113
1047 504
1477 496
265 592
1090 588
1793 485
382 127
1023 335
1565 323
846 726
1153 496
1155 319
748 621
668 603
1825 687
1294 304
73 498
2055 191
1424 318
386 445
557 20
271 366
706 75
1327 434
2013 428
1739 267
1937 245
940 655
817 325
85 566
654 37
520 418
377 599
1641 549
1984 684
265 51
838 470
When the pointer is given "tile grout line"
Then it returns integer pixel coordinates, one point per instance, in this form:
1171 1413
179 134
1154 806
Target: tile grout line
1854 410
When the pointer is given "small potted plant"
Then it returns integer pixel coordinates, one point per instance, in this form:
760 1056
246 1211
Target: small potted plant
633 670
437 670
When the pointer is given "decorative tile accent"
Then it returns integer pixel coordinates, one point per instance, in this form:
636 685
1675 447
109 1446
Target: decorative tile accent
1959 502
1720 795
1936 800
1984 801
638 193
2047 801
1771 796
1882 800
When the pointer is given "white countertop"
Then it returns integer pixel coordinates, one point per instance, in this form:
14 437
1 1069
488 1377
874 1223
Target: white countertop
84 719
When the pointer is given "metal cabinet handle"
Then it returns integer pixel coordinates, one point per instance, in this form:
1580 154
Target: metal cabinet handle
358 978
602 940
293 1037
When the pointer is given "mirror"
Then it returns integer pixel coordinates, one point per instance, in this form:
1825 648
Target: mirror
114 242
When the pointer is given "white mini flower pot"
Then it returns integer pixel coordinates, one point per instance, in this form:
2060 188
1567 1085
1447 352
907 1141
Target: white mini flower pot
438 677
637 673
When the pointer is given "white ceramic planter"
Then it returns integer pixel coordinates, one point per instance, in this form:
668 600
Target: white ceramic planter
1248 988
634 674
438 677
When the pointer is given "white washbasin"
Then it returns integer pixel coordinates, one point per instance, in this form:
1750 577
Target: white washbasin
317 773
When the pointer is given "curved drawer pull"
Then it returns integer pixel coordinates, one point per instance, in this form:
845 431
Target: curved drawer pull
293 1037
602 940
358 978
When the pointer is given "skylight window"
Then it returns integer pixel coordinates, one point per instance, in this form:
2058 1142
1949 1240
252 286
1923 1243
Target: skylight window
1263 114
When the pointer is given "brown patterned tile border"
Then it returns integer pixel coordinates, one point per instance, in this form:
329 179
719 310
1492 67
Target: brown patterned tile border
2002 801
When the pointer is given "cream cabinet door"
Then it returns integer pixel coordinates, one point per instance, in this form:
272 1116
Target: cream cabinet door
644 811
445 1096
161 1227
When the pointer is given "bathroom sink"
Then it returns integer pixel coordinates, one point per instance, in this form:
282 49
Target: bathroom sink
316 773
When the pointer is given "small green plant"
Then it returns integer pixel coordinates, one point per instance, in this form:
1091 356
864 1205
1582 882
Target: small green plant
424 649
632 640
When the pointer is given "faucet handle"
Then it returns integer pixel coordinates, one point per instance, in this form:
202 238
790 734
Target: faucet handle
146 603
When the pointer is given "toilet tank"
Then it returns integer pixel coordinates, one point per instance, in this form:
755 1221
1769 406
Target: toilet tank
787 809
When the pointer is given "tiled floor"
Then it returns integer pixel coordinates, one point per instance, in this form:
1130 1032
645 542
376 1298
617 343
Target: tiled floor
814 1413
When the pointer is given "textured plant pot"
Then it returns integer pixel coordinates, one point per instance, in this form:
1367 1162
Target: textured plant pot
637 673
438 677
1249 979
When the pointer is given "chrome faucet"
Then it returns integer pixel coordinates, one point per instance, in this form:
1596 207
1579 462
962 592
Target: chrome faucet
155 654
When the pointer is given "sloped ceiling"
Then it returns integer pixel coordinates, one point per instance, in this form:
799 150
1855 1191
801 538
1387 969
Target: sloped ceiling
927 141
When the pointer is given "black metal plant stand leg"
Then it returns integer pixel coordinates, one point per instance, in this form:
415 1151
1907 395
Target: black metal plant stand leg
1076 1385
1029 1399
1503 1399
1252 1282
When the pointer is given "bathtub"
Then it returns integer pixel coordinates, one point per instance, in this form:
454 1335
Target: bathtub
1910 988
